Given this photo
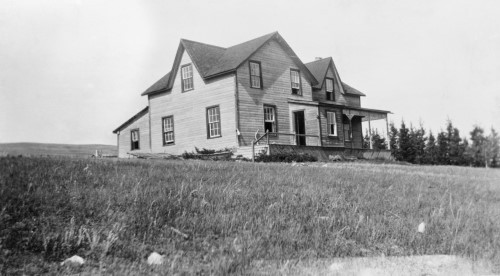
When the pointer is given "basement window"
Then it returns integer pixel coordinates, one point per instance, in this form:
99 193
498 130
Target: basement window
295 81
187 77
134 139
330 96
168 130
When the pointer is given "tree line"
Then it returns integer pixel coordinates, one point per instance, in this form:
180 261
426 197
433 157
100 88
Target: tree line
447 147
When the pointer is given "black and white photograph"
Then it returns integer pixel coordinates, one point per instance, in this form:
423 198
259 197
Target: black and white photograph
344 137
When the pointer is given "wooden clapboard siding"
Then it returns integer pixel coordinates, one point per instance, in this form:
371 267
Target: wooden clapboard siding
275 66
189 111
353 100
331 141
124 141
320 95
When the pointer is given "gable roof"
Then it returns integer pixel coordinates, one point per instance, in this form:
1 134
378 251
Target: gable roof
351 90
131 120
212 61
319 68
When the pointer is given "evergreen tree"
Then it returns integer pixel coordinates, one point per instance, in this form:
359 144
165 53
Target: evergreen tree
454 140
393 141
431 150
418 142
465 159
477 148
378 142
493 150
442 149
405 146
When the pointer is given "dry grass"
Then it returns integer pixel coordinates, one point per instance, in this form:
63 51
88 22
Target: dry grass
114 212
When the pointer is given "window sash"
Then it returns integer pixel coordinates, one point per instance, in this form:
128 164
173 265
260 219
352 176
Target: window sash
214 128
135 136
295 77
168 130
329 85
255 75
187 77
332 123
269 118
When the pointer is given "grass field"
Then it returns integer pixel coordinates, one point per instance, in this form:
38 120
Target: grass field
115 212
37 149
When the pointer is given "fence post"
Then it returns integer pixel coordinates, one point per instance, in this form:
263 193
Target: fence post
253 152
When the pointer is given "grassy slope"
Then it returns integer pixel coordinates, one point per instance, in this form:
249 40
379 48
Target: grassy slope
33 149
115 212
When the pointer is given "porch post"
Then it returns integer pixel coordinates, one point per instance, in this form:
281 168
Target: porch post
370 131
387 128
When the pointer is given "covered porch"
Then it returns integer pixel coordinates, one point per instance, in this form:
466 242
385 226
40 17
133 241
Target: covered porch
353 119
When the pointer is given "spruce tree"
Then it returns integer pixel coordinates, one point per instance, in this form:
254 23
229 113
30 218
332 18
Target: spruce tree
378 141
454 140
393 141
442 149
404 142
493 150
477 148
431 150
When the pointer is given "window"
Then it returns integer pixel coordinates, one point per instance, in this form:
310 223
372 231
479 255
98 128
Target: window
269 118
168 130
295 79
213 122
255 74
187 77
134 139
331 123
330 96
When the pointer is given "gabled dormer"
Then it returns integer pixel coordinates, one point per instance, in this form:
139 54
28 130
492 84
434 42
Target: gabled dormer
330 88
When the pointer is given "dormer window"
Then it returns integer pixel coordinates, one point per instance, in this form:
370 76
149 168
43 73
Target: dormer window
255 75
187 77
295 81
330 96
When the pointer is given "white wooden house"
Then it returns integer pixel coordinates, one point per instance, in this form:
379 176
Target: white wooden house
215 97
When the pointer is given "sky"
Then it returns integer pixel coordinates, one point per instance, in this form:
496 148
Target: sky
72 71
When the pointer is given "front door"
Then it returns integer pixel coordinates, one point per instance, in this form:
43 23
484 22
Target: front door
300 128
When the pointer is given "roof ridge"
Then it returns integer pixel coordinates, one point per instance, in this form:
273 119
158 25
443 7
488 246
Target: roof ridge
269 34
322 59
188 40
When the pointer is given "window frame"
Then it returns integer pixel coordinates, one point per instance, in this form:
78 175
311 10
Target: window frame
329 123
332 92
250 73
132 139
182 77
299 90
209 136
275 114
163 131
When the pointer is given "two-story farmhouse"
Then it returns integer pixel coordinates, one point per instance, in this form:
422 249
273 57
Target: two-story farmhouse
217 97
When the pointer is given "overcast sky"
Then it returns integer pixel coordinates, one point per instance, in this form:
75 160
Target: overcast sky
73 71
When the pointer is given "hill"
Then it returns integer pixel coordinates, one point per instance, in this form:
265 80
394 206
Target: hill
36 149
220 218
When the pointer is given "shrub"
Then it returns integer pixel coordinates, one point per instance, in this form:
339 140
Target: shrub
286 157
